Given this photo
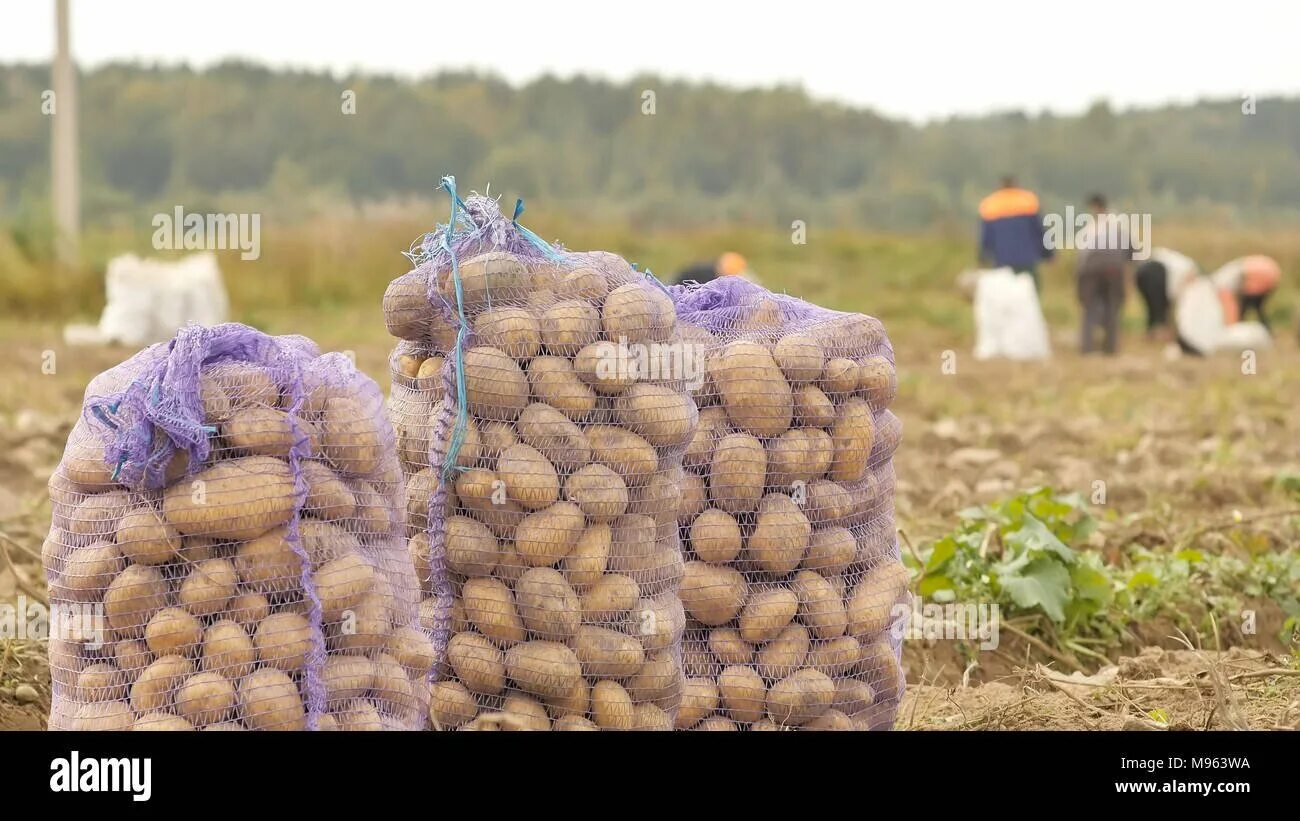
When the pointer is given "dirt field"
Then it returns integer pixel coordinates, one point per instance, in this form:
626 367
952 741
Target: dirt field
1191 453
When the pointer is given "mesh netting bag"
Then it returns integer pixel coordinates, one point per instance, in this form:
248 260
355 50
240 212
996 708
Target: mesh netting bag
227 546
544 477
792 582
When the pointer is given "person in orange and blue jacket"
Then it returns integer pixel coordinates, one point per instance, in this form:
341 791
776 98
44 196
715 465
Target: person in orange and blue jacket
1011 230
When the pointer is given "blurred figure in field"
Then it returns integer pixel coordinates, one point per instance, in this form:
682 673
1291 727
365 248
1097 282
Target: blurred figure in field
1101 269
1250 281
1011 230
729 264
1159 280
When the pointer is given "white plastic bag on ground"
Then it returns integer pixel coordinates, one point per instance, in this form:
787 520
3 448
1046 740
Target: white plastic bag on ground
1202 325
148 300
1008 319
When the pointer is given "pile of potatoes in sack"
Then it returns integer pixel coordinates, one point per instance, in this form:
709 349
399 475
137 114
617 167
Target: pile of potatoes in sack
792 580
544 478
226 550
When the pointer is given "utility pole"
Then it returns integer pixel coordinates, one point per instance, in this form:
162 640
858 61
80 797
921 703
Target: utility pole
66 185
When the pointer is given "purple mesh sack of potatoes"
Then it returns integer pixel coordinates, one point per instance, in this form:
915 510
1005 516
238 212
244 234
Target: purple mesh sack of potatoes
792 586
226 550
543 475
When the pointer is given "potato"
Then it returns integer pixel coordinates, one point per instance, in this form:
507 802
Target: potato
483 493
544 537
830 720
327 496
412 649
232 500
800 357
871 604
283 641
583 283
767 613
877 382
780 536
637 312
173 631
599 492
555 436
407 311
102 715
659 414
208 587
852 434
742 693
623 452
100 682
356 716
530 479
729 648
754 391
495 437
553 383
586 562
738 473
651 718
154 689
407 365
828 503
248 609
830 551
493 274
637 551
477 662
837 657
144 538
259 431
490 607
495 386
227 650
658 681
133 598
853 696
205 698
161 722
364 627
695 497
525 714
568 326
713 595
471 549
342 583
269 700
712 425
700 697
609 598
820 607
812 407
606 368
98 515
543 668
131 656
800 697
392 688
612 707
606 653
547 604
717 724
784 654
659 621
513 330
88 570
451 705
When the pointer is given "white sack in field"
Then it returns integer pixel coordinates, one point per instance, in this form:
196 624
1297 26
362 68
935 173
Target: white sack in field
1008 319
148 300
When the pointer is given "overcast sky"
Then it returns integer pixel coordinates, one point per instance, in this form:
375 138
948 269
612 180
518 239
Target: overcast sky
908 58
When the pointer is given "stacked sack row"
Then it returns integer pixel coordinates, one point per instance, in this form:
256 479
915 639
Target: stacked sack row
226 549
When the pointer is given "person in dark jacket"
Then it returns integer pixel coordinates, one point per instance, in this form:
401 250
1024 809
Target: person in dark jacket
1101 273
1011 230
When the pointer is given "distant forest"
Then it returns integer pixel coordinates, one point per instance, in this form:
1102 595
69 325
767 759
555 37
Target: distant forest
241 136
